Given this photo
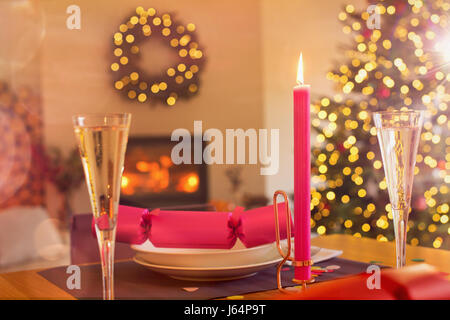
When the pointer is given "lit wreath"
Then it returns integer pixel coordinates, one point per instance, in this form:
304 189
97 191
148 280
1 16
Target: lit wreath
178 81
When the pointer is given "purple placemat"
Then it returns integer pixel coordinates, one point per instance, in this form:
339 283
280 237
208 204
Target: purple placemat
133 281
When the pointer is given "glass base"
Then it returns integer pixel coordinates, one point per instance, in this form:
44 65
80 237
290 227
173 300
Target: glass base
400 229
106 243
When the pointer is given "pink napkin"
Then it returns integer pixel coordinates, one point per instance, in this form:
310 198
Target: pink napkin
199 229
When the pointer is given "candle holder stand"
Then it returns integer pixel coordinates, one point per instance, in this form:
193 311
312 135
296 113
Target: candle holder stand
287 256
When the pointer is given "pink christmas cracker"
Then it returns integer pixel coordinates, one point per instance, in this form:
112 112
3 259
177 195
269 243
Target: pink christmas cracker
198 229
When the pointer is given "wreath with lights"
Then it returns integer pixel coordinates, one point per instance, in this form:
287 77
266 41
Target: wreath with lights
179 81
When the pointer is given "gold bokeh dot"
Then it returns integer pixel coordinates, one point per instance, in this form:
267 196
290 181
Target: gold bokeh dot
188 75
143 85
146 30
193 68
156 21
184 40
179 79
345 198
192 53
134 20
131 94
171 101
139 10
171 72
142 20
118 85
165 32
118 36
123 28
362 193
198 54
180 29
193 88
118 52
134 76
125 80
181 67
190 27
142 97
124 60
162 86
183 53
115 66
348 223
154 88
321 230
174 42
134 49
129 38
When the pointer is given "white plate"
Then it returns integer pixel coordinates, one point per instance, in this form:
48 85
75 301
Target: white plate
211 258
208 274
228 272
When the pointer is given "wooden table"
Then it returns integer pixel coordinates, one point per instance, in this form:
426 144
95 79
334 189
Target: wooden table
30 285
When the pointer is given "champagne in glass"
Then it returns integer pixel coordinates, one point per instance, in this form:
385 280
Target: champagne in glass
398 135
102 141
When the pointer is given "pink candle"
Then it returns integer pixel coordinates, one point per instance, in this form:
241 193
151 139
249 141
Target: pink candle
302 172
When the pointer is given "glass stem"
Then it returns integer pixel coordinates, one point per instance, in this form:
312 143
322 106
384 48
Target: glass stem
106 246
400 225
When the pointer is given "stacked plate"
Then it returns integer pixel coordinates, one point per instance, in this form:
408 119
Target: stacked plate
210 264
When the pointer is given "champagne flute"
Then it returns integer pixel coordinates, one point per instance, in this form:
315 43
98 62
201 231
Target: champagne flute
398 135
102 141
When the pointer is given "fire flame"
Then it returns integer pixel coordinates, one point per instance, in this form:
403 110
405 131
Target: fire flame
153 176
188 183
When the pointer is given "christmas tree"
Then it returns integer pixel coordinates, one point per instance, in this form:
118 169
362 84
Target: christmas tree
401 61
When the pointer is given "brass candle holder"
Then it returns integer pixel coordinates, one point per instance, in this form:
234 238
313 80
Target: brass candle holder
287 256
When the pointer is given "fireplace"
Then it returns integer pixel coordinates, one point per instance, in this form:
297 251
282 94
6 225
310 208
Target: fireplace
150 179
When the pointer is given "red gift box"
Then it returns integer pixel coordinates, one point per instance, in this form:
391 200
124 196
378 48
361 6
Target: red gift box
418 282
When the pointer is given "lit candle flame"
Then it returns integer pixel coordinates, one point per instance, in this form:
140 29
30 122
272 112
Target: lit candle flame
300 70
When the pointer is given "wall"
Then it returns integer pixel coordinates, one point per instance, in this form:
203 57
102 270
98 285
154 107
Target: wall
289 27
75 77
22 31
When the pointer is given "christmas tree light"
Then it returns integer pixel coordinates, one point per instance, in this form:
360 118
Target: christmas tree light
403 65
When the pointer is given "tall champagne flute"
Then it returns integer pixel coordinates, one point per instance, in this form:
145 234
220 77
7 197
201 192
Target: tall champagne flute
102 141
398 135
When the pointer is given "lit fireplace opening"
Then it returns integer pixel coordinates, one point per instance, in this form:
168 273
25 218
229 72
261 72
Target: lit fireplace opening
150 179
